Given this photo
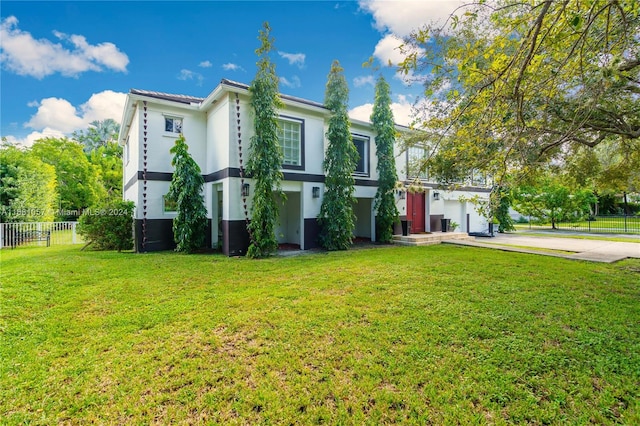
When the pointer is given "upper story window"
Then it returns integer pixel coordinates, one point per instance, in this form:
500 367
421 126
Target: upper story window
173 124
362 145
416 157
290 135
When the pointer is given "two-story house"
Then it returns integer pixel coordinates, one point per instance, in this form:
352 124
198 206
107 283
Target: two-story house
218 129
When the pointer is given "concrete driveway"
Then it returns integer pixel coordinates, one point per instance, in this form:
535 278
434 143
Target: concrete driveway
581 249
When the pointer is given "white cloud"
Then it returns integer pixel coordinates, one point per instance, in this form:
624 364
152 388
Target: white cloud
24 55
387 51
186 74
28 140
403 16
402 111
56 112
205 64
232 67
364 80
294 58
57 117
293 83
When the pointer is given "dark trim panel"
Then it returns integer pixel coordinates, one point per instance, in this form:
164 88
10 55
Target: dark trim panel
432 185
234 172
159 176
311 233
222 174
160 235
235 237
365 182
434 222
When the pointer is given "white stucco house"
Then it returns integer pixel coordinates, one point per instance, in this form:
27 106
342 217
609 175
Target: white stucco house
218 129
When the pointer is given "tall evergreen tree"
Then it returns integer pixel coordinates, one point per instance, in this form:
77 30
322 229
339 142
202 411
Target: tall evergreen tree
336 218
265 155
190 224
383 124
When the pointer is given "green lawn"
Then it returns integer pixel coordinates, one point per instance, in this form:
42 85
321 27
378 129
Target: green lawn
602 224
412 335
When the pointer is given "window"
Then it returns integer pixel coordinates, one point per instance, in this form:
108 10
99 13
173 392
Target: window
169 205
362 145
173 124
290 136
416 156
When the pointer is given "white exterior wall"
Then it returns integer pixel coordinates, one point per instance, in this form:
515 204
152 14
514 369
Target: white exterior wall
217 136
160 142
133 162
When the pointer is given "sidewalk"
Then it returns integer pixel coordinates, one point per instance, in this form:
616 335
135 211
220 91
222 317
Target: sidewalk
581 249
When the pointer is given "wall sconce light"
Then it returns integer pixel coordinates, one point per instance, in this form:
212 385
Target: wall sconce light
315 191
402 194
245 189
436 195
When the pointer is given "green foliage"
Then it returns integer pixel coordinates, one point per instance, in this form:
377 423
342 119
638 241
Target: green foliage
78 182
190 225
99 134
265 155
501 213
336 219
384 125
108 160
515 85
27 187
548 199
109 225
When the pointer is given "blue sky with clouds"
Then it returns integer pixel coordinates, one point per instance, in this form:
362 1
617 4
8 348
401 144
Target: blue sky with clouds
65 64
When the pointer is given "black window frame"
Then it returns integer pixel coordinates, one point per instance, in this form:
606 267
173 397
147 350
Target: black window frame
300 121
366 161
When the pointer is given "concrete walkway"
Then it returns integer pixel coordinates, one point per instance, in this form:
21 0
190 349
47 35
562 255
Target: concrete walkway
581 249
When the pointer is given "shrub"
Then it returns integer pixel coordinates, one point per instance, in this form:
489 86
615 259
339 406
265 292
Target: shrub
108 226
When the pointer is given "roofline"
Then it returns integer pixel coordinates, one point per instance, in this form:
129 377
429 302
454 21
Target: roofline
225 86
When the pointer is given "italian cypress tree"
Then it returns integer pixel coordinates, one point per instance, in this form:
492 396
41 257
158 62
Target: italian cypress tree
336 218
383 124
265 155
190 224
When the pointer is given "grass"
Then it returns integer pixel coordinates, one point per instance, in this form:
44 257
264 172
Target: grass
577 237
602 224
413 335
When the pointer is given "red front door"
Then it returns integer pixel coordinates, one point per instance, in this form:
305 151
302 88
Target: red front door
415 211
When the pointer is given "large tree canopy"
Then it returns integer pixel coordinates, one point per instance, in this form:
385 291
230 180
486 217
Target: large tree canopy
514 84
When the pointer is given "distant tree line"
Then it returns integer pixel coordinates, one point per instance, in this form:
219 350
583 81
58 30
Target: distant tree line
59 178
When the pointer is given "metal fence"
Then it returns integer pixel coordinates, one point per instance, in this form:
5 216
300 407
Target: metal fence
44 234
619 224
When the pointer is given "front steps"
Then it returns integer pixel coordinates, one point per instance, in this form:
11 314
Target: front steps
427 239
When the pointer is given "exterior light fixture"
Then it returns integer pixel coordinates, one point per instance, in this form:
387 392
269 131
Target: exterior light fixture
315 192
402 194
245 189
436 195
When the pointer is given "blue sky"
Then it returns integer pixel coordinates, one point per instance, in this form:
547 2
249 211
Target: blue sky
65 64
